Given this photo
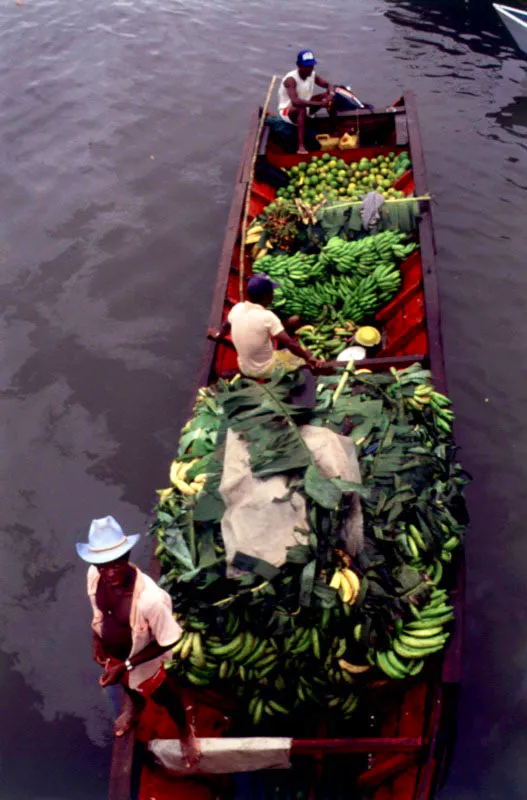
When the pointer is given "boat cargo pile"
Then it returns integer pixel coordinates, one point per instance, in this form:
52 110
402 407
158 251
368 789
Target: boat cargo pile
346 643
308 634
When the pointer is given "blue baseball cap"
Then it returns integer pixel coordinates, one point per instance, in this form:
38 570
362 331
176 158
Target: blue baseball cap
260 284
306 58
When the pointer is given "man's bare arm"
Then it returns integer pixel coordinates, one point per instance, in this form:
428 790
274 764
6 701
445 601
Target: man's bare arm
152 650
98 650
296 102
324 84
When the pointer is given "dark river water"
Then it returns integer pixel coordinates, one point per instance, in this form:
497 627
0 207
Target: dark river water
121 125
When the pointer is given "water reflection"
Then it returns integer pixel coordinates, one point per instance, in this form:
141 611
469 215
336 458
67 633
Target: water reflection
473 24
512 117
25 768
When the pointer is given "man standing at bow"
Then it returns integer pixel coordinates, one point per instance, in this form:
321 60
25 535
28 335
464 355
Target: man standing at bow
296 98
134 630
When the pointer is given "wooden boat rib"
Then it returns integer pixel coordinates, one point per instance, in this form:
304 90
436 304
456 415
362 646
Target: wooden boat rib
408 758
515 20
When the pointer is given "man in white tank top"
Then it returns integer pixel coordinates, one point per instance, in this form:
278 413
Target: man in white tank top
296 96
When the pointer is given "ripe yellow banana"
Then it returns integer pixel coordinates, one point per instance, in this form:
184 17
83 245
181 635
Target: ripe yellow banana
164 494
183 487
353 669
178 469
345 590
253 236
354 583
261 253
336 580
305 329
175 468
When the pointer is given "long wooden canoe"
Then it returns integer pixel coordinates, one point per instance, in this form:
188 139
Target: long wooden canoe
404 750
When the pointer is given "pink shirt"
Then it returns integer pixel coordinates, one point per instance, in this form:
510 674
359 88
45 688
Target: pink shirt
151 619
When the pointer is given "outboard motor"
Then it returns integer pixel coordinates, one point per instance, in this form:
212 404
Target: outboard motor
345 100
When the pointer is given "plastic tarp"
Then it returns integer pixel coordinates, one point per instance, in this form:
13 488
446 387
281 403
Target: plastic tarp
262 516
221 756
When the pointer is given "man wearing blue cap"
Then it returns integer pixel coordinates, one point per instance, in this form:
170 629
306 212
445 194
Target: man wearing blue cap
296 98
134 630
254 327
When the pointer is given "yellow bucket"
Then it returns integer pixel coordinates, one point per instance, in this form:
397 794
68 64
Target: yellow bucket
349 141
327 142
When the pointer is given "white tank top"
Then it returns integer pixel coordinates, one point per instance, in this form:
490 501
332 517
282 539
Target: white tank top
304 89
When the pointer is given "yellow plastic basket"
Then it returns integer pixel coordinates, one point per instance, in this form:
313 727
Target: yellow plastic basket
349 141
327 142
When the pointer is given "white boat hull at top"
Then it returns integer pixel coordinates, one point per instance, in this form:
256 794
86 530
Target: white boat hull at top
515 20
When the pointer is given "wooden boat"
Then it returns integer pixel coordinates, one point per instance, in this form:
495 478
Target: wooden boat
515 20
403 749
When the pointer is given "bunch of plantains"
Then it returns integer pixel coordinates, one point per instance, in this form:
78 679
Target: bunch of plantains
310 636
347 281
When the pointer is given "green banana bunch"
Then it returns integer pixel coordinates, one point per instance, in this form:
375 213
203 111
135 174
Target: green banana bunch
258 706
356 277
326 340
415 640
425 396
443 416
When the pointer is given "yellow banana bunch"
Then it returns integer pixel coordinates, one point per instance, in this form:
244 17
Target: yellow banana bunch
263 252
347 584
254 234
178 473
164 494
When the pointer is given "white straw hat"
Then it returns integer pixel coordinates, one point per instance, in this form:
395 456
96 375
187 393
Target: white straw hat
106 542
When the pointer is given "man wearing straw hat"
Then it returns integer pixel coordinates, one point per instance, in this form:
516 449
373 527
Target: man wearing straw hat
134 630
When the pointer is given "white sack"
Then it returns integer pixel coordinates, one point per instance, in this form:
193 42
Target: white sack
256 525
221 756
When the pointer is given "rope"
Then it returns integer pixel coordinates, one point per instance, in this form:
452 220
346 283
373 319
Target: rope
250 181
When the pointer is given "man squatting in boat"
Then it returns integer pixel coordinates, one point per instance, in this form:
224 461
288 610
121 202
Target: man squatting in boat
254 327
296 98
134 631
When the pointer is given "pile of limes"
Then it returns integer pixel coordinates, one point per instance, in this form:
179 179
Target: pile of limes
327 177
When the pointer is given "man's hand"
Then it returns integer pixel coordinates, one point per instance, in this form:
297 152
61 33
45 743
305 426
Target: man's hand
112 675
224 330
315 363
329 99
